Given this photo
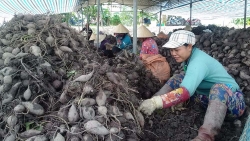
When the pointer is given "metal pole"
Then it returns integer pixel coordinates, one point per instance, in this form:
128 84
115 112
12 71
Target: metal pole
190 13
98 19
135 27
142 18
87 20
245 14
160 19
82 16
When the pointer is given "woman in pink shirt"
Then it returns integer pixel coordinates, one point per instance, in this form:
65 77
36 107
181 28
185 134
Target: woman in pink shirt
149 45
150 56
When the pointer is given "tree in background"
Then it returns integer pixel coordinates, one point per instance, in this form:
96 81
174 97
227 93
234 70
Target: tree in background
125 16
106 16
240 21
69 18
91 12
115 20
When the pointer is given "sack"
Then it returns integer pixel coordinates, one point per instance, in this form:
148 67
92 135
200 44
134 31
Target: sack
158 65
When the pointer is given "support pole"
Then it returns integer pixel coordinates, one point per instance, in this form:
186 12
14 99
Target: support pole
98 19
190 12
82 15
135 27
87 15
160 19
245 14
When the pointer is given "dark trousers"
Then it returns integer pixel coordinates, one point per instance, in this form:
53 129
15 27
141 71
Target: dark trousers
108 53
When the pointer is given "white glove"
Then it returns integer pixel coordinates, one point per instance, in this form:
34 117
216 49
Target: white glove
148 106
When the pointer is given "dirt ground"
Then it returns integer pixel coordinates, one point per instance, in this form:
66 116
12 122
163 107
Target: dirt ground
164 125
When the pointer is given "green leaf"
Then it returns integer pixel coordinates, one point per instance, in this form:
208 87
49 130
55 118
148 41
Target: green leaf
28 125
73 72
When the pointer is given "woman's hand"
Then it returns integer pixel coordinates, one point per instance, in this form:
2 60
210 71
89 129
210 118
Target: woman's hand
148 106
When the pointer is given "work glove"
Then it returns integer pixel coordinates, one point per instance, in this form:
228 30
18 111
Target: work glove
148 106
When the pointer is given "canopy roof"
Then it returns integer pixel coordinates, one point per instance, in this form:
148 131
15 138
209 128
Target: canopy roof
201 8
11 7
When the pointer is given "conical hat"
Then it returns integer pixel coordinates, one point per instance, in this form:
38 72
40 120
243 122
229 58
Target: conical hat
143 32
188 28
101 38
121 29
92 37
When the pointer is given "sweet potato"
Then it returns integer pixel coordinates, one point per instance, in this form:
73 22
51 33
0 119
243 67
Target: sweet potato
19 108
65 49
50 40
73 115
84 78
88 102
129 116
8 49
87 89
27 94
63 113
10 137
113 130
12 121
7 79
29 133
87 112
7 55
103 111
7 71
31 25
114 110
87 137
140 118
35 50
101 98
38 138
59 137
14 89
95 127
21 54
34 108
7 98
31 31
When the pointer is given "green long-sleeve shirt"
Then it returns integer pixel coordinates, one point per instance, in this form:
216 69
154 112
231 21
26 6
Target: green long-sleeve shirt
203 71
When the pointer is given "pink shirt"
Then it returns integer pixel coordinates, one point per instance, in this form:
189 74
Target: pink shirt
149 46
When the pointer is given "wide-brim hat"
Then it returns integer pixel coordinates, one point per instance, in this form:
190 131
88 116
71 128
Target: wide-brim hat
101 38
121 29
179 38
143 32
92 37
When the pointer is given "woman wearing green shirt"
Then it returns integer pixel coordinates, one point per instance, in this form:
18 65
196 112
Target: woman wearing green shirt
204 78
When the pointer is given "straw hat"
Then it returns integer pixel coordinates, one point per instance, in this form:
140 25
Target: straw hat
143 32
121 29
92 37
101 38
188 28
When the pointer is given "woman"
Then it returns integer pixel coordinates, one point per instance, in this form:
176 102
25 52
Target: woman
88 30
204 75
122 37
105 46
149 45
150 56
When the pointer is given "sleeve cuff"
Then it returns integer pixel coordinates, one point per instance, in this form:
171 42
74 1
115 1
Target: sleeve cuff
157 100
175 97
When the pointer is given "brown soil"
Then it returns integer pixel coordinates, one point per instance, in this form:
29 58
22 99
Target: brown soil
184 125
